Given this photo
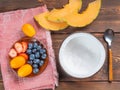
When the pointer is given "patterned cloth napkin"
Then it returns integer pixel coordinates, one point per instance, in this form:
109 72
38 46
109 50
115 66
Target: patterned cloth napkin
10 31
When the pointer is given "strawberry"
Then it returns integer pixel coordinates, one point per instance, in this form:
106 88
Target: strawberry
18 47
12 53
24 55
24 45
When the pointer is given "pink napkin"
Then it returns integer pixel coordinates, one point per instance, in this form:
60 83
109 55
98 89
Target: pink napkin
10 31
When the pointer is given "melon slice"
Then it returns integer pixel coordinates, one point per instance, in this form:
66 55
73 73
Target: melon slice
87 17
56 15
48 24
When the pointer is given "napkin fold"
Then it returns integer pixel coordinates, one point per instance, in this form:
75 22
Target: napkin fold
10 31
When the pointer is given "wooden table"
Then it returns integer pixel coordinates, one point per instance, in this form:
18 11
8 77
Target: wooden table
109 17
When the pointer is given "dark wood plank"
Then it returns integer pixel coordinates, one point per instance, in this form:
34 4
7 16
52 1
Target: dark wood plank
0 75
1 86
89 86
84 86
8 5
103 73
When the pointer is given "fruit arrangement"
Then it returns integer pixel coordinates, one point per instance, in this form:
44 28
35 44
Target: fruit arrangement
58 19
28 57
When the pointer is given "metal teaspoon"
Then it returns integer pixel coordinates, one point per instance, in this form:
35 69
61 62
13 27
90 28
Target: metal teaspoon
108 36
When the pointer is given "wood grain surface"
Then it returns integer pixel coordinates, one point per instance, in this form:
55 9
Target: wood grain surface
109 17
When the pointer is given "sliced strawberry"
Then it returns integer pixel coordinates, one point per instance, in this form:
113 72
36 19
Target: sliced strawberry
24 45
12 53
18 47
24 55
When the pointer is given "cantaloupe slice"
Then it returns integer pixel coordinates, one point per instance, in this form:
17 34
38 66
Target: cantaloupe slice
48 24
87 17
56 15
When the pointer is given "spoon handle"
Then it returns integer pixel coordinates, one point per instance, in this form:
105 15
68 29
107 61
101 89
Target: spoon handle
110 66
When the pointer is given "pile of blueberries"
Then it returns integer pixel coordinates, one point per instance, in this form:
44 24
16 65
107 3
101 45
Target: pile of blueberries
37 55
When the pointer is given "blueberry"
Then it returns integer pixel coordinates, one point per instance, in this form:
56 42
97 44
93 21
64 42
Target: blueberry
36 61
29 51
37 55
30 45
41 63
39 47
35 45
35 70
34 50
35 65
30 62
32 57
44 56
42 51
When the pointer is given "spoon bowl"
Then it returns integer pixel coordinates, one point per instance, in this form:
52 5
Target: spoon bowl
108 36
